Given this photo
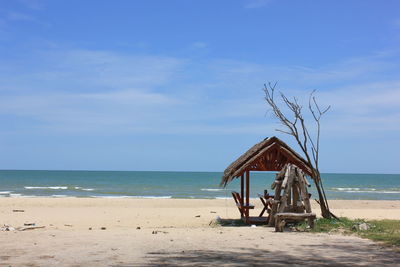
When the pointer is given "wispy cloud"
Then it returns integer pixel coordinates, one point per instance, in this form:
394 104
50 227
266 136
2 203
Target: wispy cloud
361 95
363 108
33 4
79 89
396 23
256 3
17 16
24 12
199 45
7 19
101 91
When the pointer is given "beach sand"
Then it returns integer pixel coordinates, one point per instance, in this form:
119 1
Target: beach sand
170 232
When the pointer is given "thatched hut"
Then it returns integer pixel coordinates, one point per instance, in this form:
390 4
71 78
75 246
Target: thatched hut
271 154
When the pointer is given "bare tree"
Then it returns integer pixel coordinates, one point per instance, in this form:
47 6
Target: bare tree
296 127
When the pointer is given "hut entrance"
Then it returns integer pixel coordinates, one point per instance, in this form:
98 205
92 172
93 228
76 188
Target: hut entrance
272 154
242 201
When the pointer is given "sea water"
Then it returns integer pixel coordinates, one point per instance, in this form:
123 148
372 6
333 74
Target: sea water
148 184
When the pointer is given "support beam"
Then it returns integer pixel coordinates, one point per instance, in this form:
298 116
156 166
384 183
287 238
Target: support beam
242 189
247 192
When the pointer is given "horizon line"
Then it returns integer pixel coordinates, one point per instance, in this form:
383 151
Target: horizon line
87 170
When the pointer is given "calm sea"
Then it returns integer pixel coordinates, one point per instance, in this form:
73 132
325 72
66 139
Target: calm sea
136 184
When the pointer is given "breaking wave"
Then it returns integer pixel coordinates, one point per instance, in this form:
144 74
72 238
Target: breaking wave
47 187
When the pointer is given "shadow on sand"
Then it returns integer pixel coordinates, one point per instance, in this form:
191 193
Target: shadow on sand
330 255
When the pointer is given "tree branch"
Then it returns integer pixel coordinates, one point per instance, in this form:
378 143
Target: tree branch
296 127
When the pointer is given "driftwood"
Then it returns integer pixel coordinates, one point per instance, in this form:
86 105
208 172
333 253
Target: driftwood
291 196
285 200
29 228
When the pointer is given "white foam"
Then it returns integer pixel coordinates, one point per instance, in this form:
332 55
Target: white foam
374 192
365 190
222 198
83 189
158 197
58 187
24 196
212 189
161 197
5 192
47 187
346 188
111 196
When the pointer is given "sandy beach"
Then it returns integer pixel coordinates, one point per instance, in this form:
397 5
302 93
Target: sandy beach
151 232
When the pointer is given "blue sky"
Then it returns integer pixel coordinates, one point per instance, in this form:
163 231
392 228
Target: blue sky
177 85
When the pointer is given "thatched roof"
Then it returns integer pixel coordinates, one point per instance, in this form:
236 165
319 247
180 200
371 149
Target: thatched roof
271 154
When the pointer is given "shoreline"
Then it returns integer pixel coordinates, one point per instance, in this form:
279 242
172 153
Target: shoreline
163 212
61 196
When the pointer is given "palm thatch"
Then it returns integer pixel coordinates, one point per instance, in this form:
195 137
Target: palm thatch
271 154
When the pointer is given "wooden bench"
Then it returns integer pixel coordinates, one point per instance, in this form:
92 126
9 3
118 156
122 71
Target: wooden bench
240 205
267 202
243 208
244 211
281 219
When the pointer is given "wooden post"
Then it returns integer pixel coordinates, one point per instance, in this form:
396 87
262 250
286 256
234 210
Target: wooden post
295 194
242 189
286 194
304 193
247 192
277 198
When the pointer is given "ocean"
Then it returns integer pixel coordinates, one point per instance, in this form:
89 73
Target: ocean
149 184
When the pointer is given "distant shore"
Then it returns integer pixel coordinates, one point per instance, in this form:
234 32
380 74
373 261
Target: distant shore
103 232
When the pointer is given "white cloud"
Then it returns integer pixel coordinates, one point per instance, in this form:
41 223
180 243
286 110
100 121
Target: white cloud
256 3
363 108
88 71
365 97
348 69
7 18
362 97
358 109
396 23
33 4
87 91
130 96
199 45
17 16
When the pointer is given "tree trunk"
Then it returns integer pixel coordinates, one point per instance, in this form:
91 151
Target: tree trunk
322 202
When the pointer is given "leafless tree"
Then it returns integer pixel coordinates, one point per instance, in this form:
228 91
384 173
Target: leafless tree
295 126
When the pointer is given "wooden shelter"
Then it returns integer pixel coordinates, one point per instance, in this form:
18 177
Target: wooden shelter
271 154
